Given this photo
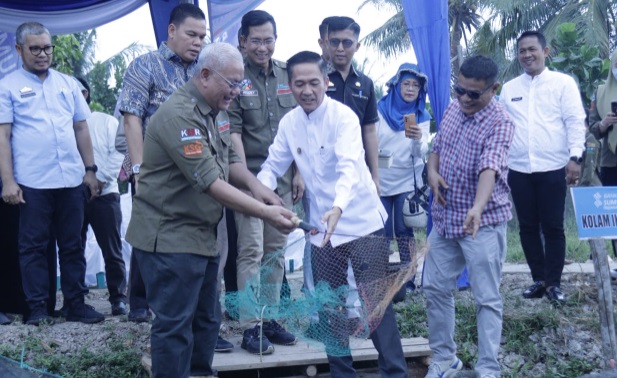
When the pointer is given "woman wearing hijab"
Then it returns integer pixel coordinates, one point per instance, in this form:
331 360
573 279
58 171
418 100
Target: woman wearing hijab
406 95
601 124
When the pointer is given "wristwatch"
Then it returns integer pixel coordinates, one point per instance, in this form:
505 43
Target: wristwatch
576 159
92 168
135 169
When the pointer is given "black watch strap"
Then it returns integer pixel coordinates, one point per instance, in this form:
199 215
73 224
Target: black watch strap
92 168
576 159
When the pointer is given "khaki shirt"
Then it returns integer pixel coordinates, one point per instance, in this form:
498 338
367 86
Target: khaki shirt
186 148
256 113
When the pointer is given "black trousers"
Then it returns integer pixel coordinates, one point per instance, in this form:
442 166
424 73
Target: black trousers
137 288
47 212
182 291
539 199
369 261
105 216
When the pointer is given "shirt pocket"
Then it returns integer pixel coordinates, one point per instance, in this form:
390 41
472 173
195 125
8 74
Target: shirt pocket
66 100
286 101
250 103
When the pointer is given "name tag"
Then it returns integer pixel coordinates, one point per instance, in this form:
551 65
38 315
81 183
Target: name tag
515 99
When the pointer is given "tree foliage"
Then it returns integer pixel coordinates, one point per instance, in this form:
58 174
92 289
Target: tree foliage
581 61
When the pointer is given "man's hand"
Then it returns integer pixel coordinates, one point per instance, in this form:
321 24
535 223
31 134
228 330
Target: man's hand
331 218
436 182
280 218
573 172
263 194
12 193
297 186
610 119
472 222
92 183
377 185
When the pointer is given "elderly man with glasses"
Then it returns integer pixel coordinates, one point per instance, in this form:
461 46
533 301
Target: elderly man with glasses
45 158
264 99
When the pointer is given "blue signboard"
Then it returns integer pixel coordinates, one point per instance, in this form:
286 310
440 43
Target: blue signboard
595 209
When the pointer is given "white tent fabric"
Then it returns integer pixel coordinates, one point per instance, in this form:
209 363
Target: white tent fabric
70 21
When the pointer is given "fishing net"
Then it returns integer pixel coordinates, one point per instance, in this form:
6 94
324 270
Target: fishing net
351 288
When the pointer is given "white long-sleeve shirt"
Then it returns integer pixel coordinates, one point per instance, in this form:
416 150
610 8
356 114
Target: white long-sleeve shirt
327 148
103 128
407 156
549 121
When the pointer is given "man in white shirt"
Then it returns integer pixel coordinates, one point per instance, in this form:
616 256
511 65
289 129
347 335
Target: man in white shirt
545 157
323 137
104 213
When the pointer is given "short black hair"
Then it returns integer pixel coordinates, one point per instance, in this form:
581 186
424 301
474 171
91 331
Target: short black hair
480 67
533 33
343 23
306 57
323 28
182 11
256 18
85 84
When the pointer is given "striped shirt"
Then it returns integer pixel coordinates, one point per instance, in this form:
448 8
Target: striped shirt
150 80
467 145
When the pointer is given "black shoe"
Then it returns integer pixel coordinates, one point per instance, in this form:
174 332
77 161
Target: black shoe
255 344
556 296
223 345
535 291
277 334
118 308
37 318
140 315
6 319
83 313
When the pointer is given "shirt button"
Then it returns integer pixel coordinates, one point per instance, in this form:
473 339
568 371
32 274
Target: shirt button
271 114
268 98
250 103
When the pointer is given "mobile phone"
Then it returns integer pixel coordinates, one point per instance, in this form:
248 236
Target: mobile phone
409 119
614 106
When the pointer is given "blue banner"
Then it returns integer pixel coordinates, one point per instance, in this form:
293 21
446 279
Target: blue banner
225 16
595 209
9 60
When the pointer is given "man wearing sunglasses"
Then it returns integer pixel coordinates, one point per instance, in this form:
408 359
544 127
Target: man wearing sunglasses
467 172
45 157
352 87
545 157
265 97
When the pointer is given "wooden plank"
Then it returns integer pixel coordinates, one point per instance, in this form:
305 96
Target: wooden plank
305 353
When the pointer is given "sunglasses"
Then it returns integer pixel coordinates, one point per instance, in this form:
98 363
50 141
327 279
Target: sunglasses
335 42
474 95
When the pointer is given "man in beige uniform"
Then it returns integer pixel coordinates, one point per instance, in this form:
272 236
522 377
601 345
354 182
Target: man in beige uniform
187 161
254 115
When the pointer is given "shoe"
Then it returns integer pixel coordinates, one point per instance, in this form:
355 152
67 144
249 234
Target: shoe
118 308
277 334
6 319
83 313
444 369
614 274
140 315
38 317
535 291
556 296
255 344
223 345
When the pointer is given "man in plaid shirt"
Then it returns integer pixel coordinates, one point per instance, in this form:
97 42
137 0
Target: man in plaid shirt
467 172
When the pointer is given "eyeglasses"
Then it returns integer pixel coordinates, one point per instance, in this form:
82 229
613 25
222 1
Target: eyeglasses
347 43
232 85
471 94
259 42
414 86
37 50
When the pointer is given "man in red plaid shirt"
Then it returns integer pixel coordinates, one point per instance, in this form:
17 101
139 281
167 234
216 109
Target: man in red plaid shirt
467 172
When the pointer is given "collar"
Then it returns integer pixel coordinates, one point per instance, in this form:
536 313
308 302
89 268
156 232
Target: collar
542 74
257 70
168 53
202 105
34 76
332 70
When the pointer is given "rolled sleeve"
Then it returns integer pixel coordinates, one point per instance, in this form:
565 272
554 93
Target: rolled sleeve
495 152
134 98
279 159
235 116
6 105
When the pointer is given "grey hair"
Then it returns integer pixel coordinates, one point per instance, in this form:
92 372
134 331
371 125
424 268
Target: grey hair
29 28
217 56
